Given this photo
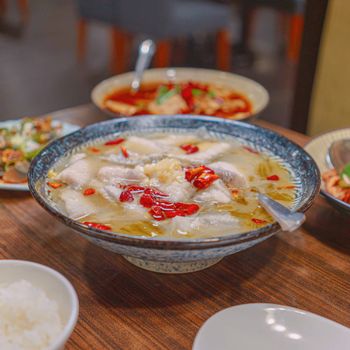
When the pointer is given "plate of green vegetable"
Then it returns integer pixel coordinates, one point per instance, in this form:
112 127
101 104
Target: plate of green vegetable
20 141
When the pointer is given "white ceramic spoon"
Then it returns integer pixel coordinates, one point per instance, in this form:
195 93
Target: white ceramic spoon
270 327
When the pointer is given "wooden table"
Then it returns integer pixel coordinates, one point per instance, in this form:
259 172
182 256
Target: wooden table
123 307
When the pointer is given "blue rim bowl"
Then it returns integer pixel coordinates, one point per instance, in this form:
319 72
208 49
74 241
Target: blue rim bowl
306 174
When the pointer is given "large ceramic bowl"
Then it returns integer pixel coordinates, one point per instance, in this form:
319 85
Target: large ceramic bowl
255 92
180 255
318 149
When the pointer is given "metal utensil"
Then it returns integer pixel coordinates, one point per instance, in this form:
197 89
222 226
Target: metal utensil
146 52
288 220
339 154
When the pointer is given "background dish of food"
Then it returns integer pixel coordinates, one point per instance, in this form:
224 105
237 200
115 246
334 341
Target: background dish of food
318 149
186 254
27 145
254 98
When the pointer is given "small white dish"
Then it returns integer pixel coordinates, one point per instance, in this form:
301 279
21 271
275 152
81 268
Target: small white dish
67 128
55 286
270 326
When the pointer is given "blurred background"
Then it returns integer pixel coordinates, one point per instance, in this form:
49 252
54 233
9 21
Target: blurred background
52 53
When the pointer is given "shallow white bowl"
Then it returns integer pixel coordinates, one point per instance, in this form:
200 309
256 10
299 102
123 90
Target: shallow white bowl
269 327
318 149
56 287
255 92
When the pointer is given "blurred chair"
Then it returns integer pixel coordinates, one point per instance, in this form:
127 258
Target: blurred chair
161 20
292 12
23 8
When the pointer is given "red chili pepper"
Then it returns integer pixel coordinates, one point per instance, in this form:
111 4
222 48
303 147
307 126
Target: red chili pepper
154 192
201 177
98 226
157 213
186 93
89 192
94 150
259 221
251 150
273 178
55 185
135 188
147 200
126 196
161 209
114 142
192 173
189 149
186 208
125 152
204 180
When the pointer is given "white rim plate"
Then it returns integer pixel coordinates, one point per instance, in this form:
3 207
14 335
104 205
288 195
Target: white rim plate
318 150
67 128
270 326
255 92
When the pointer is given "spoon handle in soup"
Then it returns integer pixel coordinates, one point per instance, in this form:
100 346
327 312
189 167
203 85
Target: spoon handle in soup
288 220
146 52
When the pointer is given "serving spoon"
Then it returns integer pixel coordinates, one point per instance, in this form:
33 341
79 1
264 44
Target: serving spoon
288 220
146 52
339 154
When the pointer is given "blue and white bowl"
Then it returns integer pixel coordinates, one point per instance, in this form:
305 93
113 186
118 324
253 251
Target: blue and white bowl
180 255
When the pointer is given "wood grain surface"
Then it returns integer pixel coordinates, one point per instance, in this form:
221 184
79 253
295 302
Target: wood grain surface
123 307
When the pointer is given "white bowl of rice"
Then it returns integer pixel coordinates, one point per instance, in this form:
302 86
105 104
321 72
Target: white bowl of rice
38 307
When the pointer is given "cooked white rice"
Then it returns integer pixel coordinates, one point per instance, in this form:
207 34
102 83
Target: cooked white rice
29 320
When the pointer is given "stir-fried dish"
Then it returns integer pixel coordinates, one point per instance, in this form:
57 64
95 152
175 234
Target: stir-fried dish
180 98
20 143
169 185
338 184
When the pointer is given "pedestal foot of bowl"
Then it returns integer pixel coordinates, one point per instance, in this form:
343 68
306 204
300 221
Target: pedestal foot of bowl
172 267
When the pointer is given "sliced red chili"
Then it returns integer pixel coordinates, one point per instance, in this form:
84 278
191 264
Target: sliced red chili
204 180
125 152
147 200
154 192
192 173
259 221
114 142
201 177
185 209
94 150
55 185
135 188
186 93
126 196
251 150
157 213
189 149
89 192
97 225
273 178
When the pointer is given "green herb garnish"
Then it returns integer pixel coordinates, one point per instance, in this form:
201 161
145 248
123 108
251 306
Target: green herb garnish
196 92
162 98
345 175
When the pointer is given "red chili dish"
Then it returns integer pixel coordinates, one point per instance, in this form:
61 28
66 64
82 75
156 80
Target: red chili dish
180 98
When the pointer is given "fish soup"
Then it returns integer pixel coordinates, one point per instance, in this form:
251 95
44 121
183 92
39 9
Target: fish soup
169 185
